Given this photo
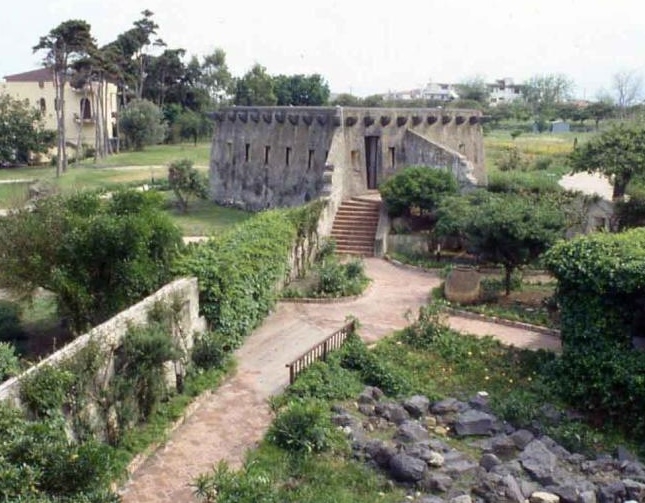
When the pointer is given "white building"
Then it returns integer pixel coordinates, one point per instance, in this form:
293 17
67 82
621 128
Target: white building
504 91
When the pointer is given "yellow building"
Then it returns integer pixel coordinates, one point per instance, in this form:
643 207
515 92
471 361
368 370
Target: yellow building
37 87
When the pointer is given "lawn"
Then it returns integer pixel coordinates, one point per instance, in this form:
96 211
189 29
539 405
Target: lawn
205 218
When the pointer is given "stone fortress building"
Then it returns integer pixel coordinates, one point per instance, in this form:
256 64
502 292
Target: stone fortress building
265 157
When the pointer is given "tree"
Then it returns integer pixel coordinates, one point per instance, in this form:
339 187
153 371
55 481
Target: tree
301 90
543 92
255 88
142 123
600 110
21 131
346 100
186 182
618 153
506 229
165 76
216 77
419 187
98 256
65 43
475 89
628 88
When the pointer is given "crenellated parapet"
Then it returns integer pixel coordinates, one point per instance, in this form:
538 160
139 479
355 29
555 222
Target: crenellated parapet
277 156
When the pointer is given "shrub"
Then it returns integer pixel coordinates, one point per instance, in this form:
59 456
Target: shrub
416 187
142 123
140 368
9 365
424 333
327 381
209 351
186 182
239 273
340 280
354 355
304 426
45 390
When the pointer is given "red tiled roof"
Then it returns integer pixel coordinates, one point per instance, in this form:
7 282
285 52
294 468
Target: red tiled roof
42 74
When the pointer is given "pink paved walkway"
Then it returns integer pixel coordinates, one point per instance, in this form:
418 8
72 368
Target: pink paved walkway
235 417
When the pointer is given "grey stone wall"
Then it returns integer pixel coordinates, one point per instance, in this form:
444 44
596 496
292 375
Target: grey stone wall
110 333
265 157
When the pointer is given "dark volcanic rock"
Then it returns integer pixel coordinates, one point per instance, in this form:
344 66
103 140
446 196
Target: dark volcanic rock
405 468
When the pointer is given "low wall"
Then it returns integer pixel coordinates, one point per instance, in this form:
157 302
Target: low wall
111 332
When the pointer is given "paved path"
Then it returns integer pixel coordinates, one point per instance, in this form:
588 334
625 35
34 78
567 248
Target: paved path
235 417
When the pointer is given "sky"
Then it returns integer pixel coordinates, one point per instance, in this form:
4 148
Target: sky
368 46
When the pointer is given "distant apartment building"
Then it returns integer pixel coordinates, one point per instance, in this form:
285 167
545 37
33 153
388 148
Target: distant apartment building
504 91
432 91
37 87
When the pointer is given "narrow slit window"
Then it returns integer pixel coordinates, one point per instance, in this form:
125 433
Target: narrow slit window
247 150
310 160
229 151
267 150
392 157
287 156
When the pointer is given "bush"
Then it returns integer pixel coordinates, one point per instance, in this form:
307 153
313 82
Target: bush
45 390
142 124
326 381
423 334
209 351
186 182
419 187
140 369
9 365
340 280
303 427
239 273
512 160
354 355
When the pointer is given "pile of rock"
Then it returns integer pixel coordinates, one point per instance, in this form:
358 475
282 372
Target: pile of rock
495 463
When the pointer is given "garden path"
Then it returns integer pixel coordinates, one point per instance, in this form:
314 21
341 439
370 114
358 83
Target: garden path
232 419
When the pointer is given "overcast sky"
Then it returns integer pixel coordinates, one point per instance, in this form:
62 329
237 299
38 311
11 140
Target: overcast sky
368 46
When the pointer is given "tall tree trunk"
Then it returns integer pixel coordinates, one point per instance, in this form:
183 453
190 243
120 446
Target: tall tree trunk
79 130
508 271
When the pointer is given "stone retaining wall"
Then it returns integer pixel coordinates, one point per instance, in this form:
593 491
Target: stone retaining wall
111 332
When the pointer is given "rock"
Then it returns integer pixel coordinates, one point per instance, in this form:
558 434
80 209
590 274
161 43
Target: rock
366 409
488 461
441 431
567 494
447 406
623 454
435 460
522 438
503 446
411 431
438 445
480 401
463 498
512 489
587 497
366 397
344 419
610 493
405 468
436 482
459 467
554 447
543 497
393 412
431 422
431 499
635 490
539 462
474 422
417 406
380 452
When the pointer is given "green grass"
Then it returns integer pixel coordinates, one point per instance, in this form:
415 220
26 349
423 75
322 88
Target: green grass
157 155
204 218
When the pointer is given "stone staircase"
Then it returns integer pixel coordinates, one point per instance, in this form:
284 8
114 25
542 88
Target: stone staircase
355 226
